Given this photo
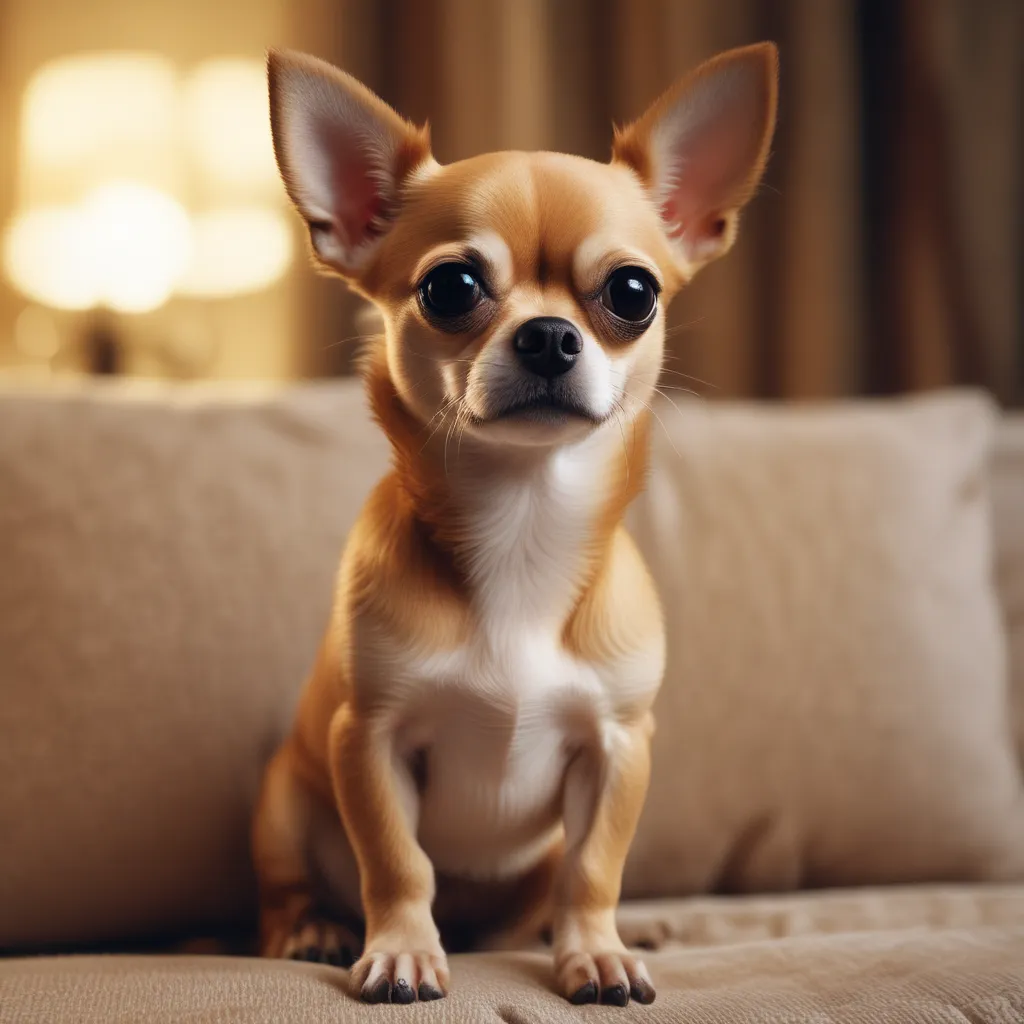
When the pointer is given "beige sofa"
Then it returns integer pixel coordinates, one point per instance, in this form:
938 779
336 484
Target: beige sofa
835 742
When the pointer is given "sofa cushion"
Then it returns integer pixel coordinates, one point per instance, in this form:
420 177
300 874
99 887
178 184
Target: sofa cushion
167 558
166 563
940 955
733 920
835 710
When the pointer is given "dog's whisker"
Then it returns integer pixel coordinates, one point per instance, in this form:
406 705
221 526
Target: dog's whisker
466 419
671 401
447 438
663 387
443 413
654 412
689 376
619 412
445 405
675 329
354 337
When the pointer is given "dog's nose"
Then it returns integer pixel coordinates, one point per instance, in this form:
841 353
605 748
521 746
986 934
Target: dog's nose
547 345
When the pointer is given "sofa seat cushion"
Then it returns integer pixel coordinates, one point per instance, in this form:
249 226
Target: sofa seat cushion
729 920
921 954
882 977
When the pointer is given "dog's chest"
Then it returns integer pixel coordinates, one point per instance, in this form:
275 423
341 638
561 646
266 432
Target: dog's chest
507 711
490 746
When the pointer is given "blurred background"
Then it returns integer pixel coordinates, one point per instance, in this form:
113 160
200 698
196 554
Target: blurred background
144 230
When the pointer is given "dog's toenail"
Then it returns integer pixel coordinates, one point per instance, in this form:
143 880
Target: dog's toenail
428 993
584 994
642 991
380 993
402 992
615 995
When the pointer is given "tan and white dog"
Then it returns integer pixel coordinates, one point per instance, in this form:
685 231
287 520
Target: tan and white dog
471 753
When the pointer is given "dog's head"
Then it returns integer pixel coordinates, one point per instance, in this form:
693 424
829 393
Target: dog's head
523 293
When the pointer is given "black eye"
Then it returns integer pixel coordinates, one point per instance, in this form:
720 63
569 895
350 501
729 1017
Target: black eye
450 290
631 294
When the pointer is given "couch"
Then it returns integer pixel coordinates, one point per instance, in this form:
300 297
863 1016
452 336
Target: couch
835 829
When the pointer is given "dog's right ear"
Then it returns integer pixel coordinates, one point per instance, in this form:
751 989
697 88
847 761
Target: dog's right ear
343 154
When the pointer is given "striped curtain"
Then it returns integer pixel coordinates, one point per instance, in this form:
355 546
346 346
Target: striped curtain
885 251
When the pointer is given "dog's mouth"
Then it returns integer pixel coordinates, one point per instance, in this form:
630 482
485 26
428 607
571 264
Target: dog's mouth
552 403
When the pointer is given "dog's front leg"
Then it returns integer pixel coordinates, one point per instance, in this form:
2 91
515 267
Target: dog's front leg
402 958
605 788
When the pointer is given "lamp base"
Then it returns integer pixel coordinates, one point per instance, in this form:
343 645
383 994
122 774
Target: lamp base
103 348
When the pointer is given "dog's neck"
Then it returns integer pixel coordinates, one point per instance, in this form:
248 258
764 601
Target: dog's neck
528 521
526 528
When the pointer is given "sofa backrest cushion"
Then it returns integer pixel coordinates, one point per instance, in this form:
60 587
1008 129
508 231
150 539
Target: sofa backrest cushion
1008 517
166 565
834 708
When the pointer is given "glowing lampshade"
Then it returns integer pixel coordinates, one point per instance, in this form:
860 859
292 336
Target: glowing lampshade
237 250
125 246
112 145
92 117
44 253
227 122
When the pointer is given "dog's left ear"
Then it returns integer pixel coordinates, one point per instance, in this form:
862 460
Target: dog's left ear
701 148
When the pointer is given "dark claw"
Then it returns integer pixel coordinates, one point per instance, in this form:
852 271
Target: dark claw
402 992
642 992
584 994
615 995
428 993
380 993
308 954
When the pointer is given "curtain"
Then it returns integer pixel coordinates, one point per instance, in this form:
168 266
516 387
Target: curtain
884 251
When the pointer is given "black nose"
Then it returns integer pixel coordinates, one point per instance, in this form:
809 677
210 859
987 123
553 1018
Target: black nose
548 345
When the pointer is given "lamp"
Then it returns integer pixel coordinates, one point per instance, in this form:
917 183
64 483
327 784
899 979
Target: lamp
241 239
135 185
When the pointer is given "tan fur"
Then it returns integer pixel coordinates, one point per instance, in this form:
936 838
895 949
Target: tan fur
429 628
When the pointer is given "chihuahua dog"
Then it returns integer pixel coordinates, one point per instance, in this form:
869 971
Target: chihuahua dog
470 755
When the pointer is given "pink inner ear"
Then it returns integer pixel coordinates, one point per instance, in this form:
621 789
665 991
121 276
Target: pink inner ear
710 163
671 216
359 204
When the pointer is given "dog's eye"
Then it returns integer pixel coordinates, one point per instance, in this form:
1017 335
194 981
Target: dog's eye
631 294
450 290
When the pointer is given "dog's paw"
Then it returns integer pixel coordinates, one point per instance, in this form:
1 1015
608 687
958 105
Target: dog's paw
381 977
611 978
322 941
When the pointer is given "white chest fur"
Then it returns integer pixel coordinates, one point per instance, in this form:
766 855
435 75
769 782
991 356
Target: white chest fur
496 721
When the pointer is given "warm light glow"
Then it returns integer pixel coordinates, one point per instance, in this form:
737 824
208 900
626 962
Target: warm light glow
237 250
110 144
45 253
140 244
228 125
125 247
88 118
36 335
